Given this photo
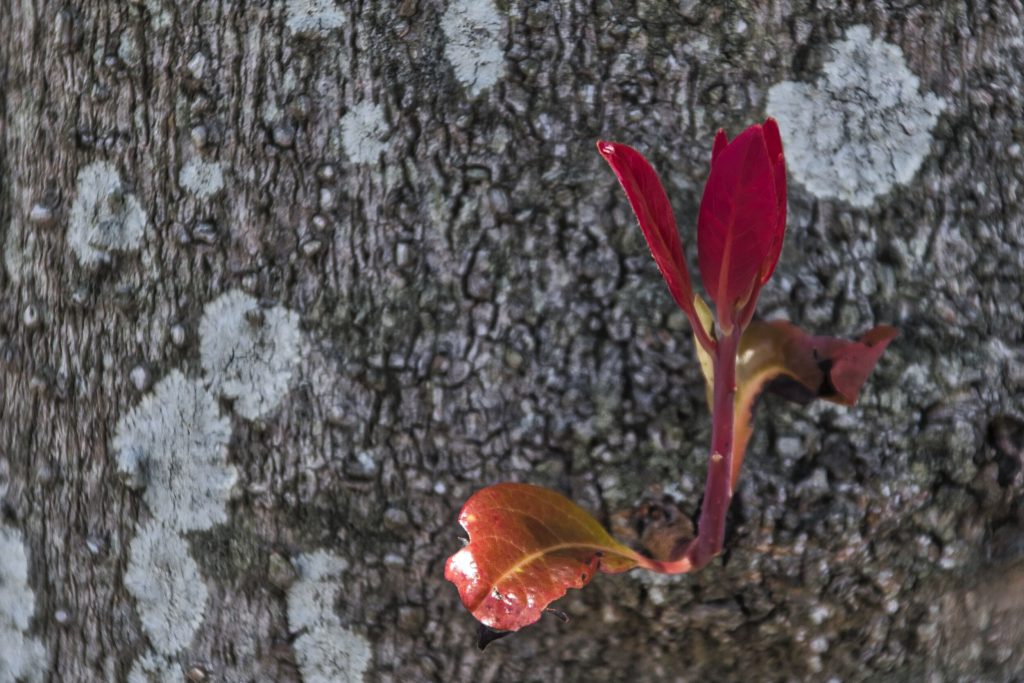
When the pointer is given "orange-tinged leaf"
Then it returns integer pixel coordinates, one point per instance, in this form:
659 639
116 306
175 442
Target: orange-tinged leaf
817 367
529 545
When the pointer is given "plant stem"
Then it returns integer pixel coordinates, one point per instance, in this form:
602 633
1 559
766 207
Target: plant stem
718 490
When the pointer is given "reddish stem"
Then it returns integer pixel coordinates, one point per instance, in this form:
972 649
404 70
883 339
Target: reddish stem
718 490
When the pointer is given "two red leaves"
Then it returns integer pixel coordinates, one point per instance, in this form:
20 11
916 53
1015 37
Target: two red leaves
740 227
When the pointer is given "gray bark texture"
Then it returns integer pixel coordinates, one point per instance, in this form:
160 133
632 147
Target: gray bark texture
470 301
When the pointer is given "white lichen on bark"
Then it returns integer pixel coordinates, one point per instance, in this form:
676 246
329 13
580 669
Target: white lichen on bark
22 658
363 130
154 668
201 178
249 353
473 43
314 16
104 217
862 128
326 650
174 443
311 599
332 654
19 251
170 593
160 19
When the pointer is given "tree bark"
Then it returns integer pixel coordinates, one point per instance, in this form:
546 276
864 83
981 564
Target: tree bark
283 283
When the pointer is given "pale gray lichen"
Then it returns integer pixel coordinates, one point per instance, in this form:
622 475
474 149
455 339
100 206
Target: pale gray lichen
19 251
104 217
314 16
862 128
159 17
473 43
248 353
362 132
248 664
332 654
311 598
326 651
174 443
22 659
154 668
17 600
168 589
201 178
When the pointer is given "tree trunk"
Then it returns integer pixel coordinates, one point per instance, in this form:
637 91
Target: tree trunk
283 283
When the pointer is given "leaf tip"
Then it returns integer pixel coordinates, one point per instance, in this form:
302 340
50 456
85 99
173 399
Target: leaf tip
772 137
605 148
721 142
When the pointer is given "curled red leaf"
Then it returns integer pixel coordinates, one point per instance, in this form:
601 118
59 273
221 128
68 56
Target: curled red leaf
528 545
808 366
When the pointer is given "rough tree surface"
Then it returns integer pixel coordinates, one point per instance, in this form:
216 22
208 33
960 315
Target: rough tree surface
283 283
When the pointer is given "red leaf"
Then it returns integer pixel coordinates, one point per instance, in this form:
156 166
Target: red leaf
528 545
773 141
738 225
819 367
654 214
721 142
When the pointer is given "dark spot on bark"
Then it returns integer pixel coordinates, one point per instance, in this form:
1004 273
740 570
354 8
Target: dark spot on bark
1006 437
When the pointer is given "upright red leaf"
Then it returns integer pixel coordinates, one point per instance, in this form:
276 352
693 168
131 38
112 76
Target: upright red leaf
738 223
773 141
654 214
721 142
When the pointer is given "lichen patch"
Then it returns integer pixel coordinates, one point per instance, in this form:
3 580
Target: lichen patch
862 128
201 178
22 658
154 668
332 654
363 130
326 650
314 17
170 593
311 599
473 43
19 252
249 353
104 216
174 444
